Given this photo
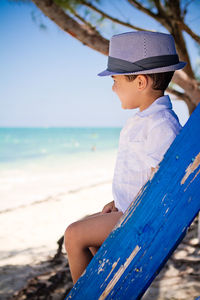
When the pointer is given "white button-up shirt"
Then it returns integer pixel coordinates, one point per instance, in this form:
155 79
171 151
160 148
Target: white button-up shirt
143 142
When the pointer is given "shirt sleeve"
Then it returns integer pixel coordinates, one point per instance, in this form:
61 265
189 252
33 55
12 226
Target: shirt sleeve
159 140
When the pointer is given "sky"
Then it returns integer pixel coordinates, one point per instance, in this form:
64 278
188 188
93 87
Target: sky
49 79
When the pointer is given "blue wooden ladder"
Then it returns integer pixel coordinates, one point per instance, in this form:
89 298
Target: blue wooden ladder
151 228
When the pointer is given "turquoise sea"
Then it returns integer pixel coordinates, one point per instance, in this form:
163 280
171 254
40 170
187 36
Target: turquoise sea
25 144
38 163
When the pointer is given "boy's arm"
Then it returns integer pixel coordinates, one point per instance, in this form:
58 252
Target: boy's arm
109 208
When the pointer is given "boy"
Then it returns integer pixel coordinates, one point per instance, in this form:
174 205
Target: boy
141 65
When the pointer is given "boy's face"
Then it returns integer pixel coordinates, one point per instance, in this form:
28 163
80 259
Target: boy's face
126 91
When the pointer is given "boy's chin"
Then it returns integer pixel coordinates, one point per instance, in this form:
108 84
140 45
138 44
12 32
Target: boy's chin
123 107
128 107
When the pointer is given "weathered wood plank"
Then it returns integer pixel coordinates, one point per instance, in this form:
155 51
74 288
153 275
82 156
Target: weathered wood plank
152 227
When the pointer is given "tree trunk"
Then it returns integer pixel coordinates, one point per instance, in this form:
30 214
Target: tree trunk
190 86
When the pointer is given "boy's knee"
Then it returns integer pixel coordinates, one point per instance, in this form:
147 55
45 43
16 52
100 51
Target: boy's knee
71 236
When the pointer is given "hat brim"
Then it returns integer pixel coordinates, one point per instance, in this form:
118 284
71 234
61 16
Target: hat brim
172 68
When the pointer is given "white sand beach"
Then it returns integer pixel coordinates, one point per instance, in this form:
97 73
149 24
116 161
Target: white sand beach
38 206
29 234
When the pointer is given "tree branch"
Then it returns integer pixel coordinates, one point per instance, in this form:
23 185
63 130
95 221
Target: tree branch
143 9
88 26
186 6
182 49
68 24
179 95
189 85
182 96
185 27
159 7
91 6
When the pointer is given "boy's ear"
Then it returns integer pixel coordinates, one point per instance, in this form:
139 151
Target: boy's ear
142 81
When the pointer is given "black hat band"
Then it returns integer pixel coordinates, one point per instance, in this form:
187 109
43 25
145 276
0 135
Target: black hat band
123 66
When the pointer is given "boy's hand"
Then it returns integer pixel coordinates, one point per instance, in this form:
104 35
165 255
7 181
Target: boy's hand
109 208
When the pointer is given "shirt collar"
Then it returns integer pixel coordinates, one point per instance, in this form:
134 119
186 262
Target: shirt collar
161 103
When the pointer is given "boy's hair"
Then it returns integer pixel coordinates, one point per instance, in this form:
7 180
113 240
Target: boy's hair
160 80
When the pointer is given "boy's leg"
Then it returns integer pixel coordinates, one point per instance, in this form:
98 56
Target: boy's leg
93 250
89 232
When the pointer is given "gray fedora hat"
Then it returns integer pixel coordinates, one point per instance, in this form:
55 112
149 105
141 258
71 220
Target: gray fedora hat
142 52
